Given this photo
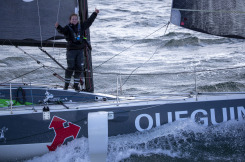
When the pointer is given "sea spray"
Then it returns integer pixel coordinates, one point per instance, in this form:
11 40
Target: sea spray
181 140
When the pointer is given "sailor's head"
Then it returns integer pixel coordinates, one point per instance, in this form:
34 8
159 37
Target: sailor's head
74 19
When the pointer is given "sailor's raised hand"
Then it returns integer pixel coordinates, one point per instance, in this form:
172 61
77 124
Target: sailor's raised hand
96 10
56 24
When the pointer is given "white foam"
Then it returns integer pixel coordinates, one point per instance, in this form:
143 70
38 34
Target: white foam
176 140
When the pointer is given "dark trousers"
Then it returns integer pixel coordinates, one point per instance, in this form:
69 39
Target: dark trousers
74 64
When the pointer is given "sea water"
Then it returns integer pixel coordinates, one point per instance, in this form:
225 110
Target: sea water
130 38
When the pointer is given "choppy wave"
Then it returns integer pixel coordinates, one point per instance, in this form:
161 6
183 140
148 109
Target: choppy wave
223 87
178 39
14 60
190 41
185 140
182 140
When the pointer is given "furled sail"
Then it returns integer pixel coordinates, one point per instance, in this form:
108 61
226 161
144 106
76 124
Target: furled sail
217 17
30 22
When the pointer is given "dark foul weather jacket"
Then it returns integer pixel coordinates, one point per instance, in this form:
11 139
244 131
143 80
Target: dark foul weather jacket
70 32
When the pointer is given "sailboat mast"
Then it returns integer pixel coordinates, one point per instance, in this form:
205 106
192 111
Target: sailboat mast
88 72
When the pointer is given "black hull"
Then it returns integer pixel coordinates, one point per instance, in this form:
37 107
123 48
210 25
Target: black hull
30 129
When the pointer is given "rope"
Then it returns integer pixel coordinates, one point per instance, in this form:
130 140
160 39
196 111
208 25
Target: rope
44 51
130 46
22 75
55 31
43 66
163 73
131 74
145 61
38 62
39 20
57 20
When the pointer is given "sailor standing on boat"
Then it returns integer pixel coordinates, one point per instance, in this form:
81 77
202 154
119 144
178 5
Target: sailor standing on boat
76 42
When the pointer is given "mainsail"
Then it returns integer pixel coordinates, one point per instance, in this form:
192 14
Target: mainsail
31 22
217 17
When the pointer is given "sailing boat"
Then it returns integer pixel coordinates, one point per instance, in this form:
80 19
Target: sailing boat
37 119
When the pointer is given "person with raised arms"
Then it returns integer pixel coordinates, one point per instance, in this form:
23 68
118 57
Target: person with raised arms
76 43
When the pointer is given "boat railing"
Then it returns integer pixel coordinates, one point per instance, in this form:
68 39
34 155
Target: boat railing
121 83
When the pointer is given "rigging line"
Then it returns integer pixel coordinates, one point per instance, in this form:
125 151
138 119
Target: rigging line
130 47
22 75
52 58
146 60
39 21
166 28
173 73
57 20
139 67
214 11
38 62
183 72
62 68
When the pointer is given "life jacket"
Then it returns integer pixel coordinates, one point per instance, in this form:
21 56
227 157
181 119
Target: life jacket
78 37
75 36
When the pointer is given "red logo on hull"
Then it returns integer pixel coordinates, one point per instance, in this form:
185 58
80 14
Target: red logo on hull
61 132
